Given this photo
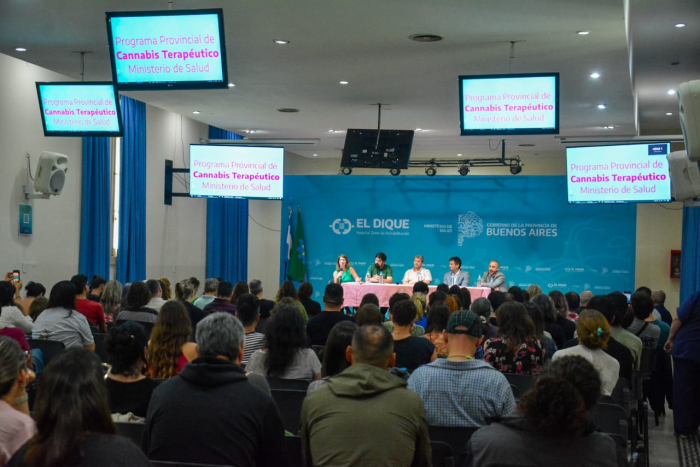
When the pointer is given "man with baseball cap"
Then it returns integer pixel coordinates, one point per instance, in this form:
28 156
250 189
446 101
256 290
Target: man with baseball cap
318 327
460 391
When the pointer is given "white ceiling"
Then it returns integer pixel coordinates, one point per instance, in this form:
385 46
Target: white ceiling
366 43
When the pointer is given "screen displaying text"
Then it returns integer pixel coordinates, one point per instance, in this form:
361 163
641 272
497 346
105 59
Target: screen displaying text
79 108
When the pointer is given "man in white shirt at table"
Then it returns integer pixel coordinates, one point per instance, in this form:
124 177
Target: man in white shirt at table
418 273
456 276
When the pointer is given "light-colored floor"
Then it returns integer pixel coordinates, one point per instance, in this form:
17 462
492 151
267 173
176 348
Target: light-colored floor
663 450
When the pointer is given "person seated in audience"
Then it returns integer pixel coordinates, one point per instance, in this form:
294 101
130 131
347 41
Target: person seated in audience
436 297
222 302
32 291
248 312
437 323
184 292
621 335
335 427
169 349
418 273
453 303
533 290
256 288
335 352
91 310
456 291
211 413
17 425
516 349
411 351
593 333
128 387
442 384
563 320
369 298
585 297
660 312
550 318
134 307
74 426
211 287
517 293
642 305
417 331
444 288
306 290
10 315
420 301
551 426
240 288
573 301
165 287
111 300
421 288
287 289
97 286
482 307
195 283
286 355
37 307
320 325
543 336
344 272
157 291
60 321
369 314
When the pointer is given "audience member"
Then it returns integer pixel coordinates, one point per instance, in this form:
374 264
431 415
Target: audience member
74 426
482 307
496 299
306 290
212 413
10 315
660 312
550 318
111 300
128 387
32 291
368 314
436 297
60 321
195 283
91 310
563 318
248 312
369 298
593 334
97 287
222 302
642 305
156 288
320 325
551 427
573 301
169 349
457 292
211 287
335 353
533 290
419 300
335 428
586 297
286 354
444 288
135 309
185 293
442 384
421 287
453 303
165 287
517 293
411 351
624 337
437 323
256 289
543 336
239 289
287 289
516 349
17 425
37 307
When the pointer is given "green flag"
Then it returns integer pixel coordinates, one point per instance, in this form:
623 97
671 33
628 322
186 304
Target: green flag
297 261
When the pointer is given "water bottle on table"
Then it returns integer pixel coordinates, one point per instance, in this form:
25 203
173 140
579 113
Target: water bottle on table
368 276
478 282
381 277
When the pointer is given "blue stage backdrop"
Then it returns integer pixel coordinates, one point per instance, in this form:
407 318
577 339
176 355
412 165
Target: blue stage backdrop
524 222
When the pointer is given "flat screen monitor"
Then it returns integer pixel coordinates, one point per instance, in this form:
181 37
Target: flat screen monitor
391 150
220 171
79 109
516 104
176 49
627 173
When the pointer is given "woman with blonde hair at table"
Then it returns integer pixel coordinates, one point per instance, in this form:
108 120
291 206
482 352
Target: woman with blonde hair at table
344 272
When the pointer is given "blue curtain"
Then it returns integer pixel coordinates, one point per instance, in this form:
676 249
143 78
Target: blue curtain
95 210
690 253
131 257
227 230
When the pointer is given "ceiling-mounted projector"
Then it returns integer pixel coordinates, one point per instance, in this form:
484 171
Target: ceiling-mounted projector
50 176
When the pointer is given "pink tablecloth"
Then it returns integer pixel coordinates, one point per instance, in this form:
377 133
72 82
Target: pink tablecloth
353 292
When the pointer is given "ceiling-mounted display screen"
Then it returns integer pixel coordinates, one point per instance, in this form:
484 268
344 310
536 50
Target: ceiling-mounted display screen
79 109
374 149
175 49
516 104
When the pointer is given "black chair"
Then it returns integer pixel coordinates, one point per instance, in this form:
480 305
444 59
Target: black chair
611 418
622 394
133 431
457 437
293 445
182 464
319 349
523 382
49 348
442 454
289 403
516 391
280 383
100 348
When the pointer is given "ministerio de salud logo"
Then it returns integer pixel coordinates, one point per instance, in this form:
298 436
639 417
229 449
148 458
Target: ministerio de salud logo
341 226
469 225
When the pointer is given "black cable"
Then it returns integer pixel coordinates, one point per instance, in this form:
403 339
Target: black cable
497 146
274 230
669 209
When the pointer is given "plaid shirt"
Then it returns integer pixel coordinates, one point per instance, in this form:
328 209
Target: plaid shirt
462 394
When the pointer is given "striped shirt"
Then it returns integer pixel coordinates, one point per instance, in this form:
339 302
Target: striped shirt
220 304
253 341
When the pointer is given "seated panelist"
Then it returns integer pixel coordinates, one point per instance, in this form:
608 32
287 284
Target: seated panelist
418 273
494 279
456 276
344 272
380 272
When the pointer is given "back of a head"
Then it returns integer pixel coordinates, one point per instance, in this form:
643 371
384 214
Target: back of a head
436 297
171 331
585 297
437 318
593 330
7 293
573 300
34 289
220 335
643 289
403 313
224 289
517 293
496 299
62 295
537 318
154 286
287 289
255 286
211 285
396 298
418 300
422 287
111 296
239 289
12 362
369 298
305 291
444 288
373 345
184 290
333 295
453 303
165 287
620 305
546 305
642 305
558 404
659 297
334 357
75 379
125 346
533 290
37 307
138 296
247 309
481 307
514 324
285 335
195 282
455 290
79 281
604 305
560 303
97 282
368 314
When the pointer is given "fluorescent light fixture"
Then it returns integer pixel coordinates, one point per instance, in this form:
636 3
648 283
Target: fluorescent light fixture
281 41
231 85
419 129
21 49
195 112
680 25
459 155
671 92
583 33
669 113
602 106
595 75
315 155
344 82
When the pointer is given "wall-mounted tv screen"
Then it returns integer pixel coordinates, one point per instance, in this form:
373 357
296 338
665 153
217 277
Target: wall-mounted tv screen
175 49
79 109
220 171
391 150
626 173
517 104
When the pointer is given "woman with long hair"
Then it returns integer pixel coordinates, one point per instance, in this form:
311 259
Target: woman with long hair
74 425
344 272
165 285
369 314
287 290
10 315
185 293
516 349
334 354
241 288
438 316
565 322
546 305
306 290
543 336
169 349
17 425
533 290
60 321
111 299
286 355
